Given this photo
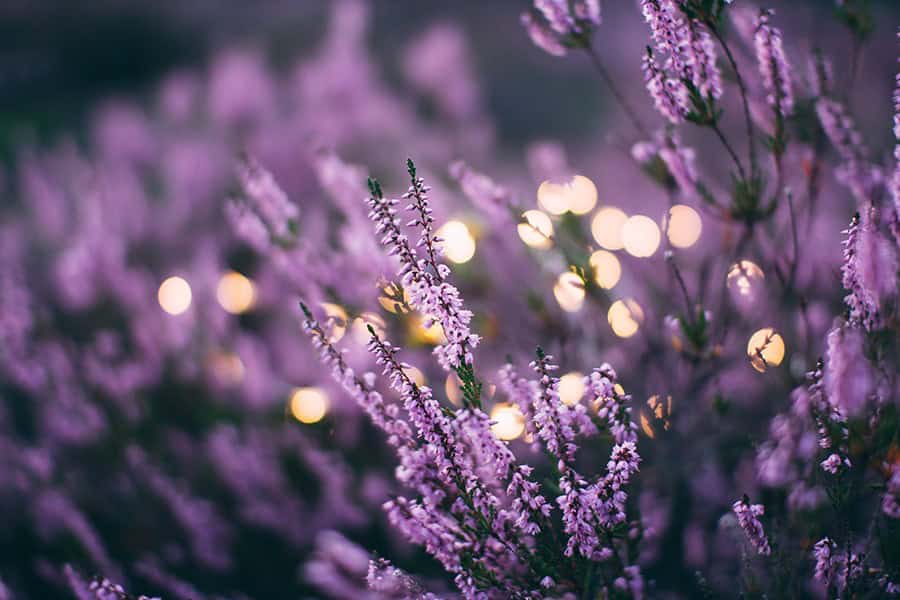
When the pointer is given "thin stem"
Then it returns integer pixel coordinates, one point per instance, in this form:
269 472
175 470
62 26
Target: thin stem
734 156
614 90
796 245
684 292
751 141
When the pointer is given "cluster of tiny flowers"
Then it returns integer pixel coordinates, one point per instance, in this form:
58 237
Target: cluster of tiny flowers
269 202
96 589
612 405
856 173
831 424
774 69
554 24
827 565
385 416
861 303
748 518
689 58
425 278
669 97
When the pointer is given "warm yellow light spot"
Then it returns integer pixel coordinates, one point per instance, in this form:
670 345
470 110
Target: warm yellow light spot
359 327
607 269
509 423
453 390
640 236
618 389
174 295
583 195
569 291
571 388
336 321
684 226
606 227
537 230
553 197
226 367
309 404
433 335
415 374
743 277
765 349
625 317
459 245
235 293
578 194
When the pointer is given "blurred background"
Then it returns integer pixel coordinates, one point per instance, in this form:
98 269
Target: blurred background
164 422
58 58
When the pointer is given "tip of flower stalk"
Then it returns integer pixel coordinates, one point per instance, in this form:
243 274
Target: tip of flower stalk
411 167
375 187
305 310
540 353
371 330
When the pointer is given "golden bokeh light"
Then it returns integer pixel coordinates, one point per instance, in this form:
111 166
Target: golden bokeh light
606 227
235 293
335 322
309 404
640 236
359 327
765 349
607 269
458 244
577 194
537 230
433 335
174 295
569 291
583 195
509 423
684 226
743 277
625 317
571 388
453 390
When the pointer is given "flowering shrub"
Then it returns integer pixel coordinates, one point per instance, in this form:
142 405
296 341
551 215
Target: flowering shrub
167 424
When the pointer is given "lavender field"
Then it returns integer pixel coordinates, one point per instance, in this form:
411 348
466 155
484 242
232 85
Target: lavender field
390 300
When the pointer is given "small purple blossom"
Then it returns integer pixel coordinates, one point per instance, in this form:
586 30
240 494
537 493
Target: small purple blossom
774 69
748 518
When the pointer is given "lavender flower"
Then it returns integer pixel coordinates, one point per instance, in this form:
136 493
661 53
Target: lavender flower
554 25
827 566
774 69
612 405
542 35
849 379
425 278
861 302
856 173
669 96
748 518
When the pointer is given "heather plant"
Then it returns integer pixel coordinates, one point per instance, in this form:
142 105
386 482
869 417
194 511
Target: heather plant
162 434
